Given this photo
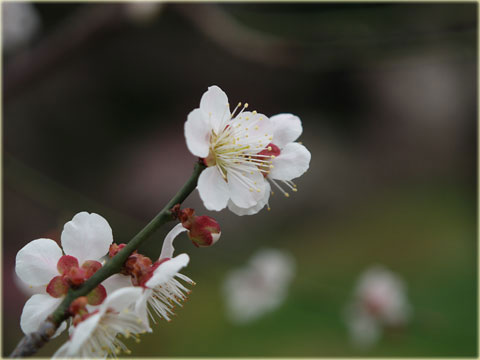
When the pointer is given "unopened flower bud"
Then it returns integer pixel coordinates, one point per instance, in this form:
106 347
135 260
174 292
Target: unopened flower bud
202 230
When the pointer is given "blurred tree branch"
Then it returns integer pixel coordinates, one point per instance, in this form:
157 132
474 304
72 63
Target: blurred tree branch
88 22
236 38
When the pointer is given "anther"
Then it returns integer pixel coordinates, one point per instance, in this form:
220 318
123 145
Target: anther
269 148
254 112
271 166
246 105
294 190
287 194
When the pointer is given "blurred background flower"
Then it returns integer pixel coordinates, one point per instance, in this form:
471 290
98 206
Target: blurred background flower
388 102
379 303
259 287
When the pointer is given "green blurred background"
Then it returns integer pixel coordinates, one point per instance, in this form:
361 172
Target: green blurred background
93 113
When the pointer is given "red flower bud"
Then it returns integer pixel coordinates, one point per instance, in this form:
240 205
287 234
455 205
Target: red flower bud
202 230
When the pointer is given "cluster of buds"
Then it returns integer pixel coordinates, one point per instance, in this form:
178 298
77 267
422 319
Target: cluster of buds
202 230
72 276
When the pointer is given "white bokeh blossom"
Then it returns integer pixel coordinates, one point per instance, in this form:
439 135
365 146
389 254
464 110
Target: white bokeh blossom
230 146
20 23
379 302
260 287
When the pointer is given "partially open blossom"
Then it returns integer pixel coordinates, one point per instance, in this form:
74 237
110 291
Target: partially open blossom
290 160
96 334
162 290
380 302
259 287
202 230
42 264
230 146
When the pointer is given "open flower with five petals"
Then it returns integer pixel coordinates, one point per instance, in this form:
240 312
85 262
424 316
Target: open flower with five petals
230 145
41 264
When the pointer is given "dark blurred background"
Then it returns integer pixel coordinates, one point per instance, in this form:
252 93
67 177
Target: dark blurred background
94 102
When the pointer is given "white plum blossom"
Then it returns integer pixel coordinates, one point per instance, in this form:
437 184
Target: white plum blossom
230 145
290 160
162 290
259 287
380 301
42 266
97 336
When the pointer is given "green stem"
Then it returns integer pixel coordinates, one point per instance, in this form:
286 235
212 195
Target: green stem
115 264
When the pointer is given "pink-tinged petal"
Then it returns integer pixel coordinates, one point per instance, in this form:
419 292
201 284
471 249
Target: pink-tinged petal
293 161
65 263
121 299
214 104
87 237
81 333
197 133
91 267
287 128
57 287
97 295
36 262
167 270
36 310
213 189
167 247
117 281
246 189
254 209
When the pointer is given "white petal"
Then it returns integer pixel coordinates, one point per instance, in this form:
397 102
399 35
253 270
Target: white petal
214 104
116 281
36 262
167 270
167 247
36 310
254 209
82 333
292 162
213 189
121 299
62 350
197 133
246 189
141 308
87 237
287 128
253 130
28 290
